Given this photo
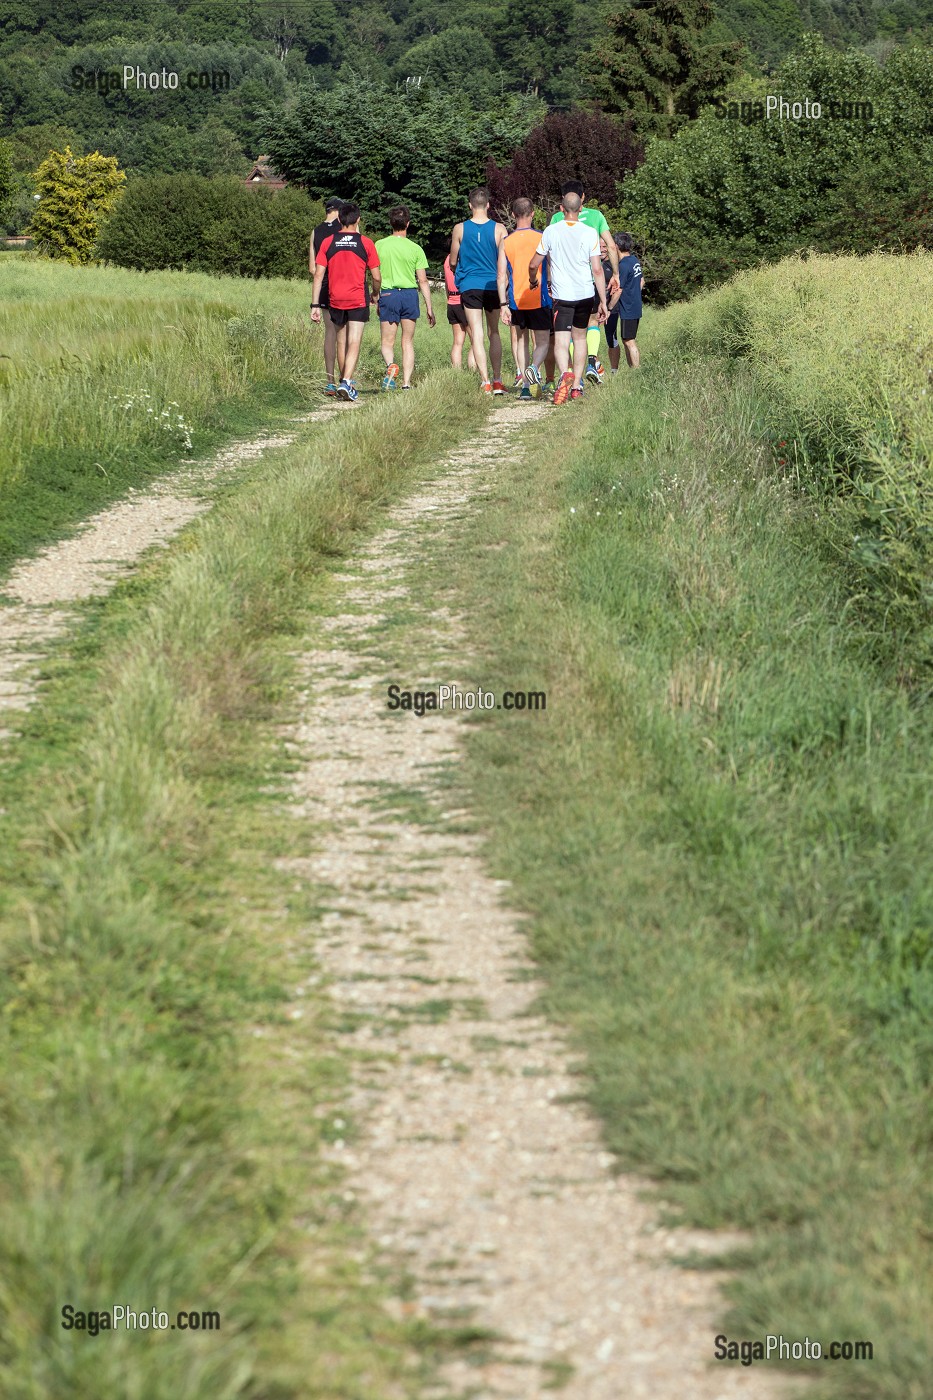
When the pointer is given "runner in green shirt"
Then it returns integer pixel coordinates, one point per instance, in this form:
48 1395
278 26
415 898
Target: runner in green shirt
404 271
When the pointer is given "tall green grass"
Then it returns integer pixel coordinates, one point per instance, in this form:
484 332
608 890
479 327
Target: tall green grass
108 375
842 350
155 1152
721 829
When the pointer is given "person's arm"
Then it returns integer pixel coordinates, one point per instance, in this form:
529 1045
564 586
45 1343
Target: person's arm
316 292
312 262
599 277
375 269
537 260
502 281
424 284
456 238
612 254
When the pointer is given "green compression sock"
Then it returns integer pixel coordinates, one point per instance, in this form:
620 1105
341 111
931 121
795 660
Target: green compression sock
592 341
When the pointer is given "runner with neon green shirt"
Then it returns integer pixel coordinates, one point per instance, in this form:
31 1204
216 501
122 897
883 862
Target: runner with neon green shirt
595 219
404 270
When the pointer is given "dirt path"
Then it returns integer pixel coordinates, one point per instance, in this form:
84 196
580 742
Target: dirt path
473 1163
37 602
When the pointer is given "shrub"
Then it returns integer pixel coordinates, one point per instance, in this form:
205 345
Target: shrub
725 193
219 226
578 145
76 194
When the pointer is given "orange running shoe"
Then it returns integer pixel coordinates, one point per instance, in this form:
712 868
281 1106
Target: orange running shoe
564 385
498 387
486 387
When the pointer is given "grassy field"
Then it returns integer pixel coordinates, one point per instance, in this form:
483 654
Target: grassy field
163 1114
109 376
722 828
850 400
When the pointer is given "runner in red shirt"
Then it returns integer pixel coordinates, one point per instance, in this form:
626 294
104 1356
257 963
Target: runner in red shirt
346 257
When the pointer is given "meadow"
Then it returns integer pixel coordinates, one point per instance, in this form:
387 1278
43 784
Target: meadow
109 376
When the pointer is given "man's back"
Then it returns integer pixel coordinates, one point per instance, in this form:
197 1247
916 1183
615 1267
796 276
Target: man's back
593 218
520 247
478 258
569 248
347 256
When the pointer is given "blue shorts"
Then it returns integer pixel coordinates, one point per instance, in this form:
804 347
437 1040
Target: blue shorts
399 304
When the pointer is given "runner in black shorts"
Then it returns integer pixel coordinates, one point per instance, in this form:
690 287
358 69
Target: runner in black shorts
480 299
626 312
322 231
573 315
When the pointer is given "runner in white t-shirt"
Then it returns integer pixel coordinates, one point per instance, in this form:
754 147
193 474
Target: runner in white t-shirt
572 250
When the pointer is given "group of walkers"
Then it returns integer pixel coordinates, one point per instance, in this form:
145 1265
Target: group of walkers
554 288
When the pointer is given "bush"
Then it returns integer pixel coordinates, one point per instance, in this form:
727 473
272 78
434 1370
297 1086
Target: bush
218 226
726 193
578 145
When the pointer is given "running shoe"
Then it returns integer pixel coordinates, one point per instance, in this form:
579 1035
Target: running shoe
576 392
330 391
346 389
486 387
390 376
592 369
404 386
519 381
533 377
549 387
498 387
564 386
525 393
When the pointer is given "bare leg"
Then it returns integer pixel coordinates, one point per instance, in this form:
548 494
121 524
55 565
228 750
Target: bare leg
631 353
341 348
408 350
456 350
354 339
542 348
550 367
495 343
474 315
615 354
387 333
561 353
521 352
330 346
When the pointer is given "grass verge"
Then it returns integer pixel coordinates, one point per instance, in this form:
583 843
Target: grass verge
721 828
167 1088
109 377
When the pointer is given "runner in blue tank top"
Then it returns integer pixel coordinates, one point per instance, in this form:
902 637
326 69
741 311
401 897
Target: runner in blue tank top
474 257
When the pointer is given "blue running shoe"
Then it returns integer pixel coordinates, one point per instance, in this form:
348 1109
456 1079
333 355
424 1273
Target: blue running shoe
346 390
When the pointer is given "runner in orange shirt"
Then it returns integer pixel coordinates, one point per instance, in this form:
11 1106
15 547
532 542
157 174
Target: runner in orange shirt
525 307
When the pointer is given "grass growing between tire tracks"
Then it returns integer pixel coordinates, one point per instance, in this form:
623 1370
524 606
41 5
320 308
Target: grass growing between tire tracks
155 1152
721 828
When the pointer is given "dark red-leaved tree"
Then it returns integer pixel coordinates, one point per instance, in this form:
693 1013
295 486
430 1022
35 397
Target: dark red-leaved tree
578 145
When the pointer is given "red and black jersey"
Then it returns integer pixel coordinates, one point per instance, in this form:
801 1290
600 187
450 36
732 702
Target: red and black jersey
347 256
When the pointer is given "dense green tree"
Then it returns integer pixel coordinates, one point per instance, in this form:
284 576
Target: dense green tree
455 58
727 192
30 145
378 145
537 44
7 183
654 66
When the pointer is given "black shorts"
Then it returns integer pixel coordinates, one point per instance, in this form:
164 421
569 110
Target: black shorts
572 314
476 299
619 329
456 316
536 319
340 316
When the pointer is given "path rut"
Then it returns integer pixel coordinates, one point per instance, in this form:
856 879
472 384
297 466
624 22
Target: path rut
475 1161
